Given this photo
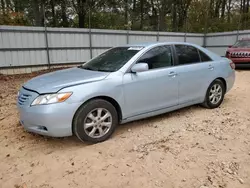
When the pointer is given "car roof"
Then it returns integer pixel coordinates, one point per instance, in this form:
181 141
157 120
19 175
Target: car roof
211 54
148 44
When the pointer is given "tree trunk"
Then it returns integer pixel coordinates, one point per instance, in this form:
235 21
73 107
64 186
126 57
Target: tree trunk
37 13
8 5
81 17
229 11
126 12
141 13
3 6
174 15
65 22
211 9
244 6
162 14
217 8
81 12
42 21
182 19
52 4
248 3
133 15
16 6
241 6
223 8
154 17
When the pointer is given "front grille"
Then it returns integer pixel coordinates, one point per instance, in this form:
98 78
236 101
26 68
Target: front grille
23 98
240 54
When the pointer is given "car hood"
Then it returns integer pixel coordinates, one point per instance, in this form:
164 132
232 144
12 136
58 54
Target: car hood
54 81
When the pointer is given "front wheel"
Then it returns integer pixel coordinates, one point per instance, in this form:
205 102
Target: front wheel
215 94
95 121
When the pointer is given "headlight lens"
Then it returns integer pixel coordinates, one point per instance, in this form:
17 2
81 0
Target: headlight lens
51 98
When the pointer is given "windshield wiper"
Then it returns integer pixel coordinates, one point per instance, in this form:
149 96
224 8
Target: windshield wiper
87 68
103 70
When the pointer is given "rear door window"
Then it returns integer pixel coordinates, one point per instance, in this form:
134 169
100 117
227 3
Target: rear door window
187 54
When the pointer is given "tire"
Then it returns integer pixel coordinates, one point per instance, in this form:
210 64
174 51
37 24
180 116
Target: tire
95 121
209 101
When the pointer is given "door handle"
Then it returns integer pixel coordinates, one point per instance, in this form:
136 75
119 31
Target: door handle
172 74
210 67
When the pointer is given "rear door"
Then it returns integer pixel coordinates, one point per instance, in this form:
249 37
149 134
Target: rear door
195 71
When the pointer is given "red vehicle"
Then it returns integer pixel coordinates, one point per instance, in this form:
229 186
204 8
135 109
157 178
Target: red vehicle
239 53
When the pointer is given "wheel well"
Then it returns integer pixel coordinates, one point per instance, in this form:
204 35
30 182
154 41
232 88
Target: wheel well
112 101
224 82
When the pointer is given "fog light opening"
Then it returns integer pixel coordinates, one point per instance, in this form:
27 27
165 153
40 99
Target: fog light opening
43 128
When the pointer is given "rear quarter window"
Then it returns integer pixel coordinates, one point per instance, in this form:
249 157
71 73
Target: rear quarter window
204 57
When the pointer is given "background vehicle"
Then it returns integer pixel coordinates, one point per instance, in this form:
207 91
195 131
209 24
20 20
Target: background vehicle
239 53
123 84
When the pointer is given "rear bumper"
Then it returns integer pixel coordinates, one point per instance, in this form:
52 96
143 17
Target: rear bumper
230 81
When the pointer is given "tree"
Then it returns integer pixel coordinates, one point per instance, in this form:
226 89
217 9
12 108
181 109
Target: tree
162 15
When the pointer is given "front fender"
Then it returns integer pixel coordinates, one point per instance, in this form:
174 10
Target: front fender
111 88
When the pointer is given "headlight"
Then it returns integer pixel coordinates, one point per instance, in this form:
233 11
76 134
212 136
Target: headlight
51 98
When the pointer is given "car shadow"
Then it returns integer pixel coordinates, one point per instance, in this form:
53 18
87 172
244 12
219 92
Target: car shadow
240 69
155 119
73 142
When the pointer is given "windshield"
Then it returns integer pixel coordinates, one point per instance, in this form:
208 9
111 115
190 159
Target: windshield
112 60
242 44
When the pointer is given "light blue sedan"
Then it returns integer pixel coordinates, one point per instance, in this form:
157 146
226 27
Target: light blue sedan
123 84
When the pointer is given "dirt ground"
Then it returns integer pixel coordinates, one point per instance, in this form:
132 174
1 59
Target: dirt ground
189 148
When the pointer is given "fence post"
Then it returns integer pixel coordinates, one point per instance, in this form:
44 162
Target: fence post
185 36
158 28
206 27
90 44
46 39
237 36
238 28
90 37
205 40
127 36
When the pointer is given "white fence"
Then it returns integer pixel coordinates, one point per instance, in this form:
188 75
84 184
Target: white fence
219 42
27 49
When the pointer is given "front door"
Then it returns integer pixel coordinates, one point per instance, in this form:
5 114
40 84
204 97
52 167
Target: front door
154 89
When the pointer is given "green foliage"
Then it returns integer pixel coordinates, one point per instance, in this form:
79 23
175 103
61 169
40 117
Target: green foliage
163 15
13 18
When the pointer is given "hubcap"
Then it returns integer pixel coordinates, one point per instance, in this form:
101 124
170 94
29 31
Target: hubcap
97 123
215 94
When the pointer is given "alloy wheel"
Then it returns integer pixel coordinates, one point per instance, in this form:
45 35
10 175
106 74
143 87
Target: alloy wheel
215 94
98 123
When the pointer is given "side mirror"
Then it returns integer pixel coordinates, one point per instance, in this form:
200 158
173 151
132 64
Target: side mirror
139 67
230 46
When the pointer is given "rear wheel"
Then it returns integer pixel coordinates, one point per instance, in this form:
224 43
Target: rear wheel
95 121
215 94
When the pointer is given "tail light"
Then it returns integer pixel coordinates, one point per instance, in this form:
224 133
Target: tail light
232 65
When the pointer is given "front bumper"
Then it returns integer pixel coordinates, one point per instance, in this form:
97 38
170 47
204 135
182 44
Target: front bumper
51 120
241 60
